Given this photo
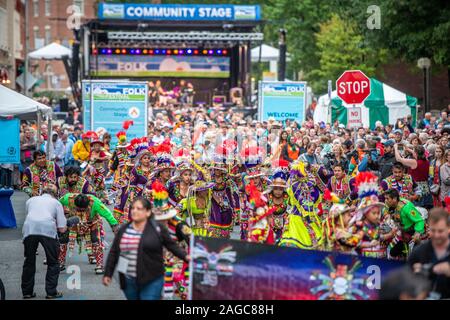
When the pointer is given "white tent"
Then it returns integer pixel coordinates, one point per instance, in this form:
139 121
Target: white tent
268 53
53 51
13 103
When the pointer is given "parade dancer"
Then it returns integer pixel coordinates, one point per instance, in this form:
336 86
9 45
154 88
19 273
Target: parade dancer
369 218
342 185
164 164
224 201
176 274
303 228
73 182
408 223
196 206
40 173
95 171
277 197
118 167
339 235
89 209
402 182
178 185
259 223
253 163
139 176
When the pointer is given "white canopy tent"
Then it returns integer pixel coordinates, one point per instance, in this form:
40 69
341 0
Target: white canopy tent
53 51
268 54
13 103
16 104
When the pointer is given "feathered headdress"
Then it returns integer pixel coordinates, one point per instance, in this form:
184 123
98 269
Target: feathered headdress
137 147
332 197
220 158
367 187
252 157
163 155
298 168
122 134
280 169
256 198
160 197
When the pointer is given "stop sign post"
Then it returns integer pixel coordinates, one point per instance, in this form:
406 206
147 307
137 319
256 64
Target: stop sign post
353 87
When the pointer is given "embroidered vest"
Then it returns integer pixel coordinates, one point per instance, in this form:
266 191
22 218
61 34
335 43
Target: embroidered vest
404 187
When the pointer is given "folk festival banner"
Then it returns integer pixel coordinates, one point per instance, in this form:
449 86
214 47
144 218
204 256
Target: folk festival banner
224 269
113 103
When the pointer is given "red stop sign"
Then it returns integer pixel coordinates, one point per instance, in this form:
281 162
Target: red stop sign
353 87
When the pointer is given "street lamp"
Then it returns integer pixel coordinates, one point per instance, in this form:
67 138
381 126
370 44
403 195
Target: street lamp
282 55
425 64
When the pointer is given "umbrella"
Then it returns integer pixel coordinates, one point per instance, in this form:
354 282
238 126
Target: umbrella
53 51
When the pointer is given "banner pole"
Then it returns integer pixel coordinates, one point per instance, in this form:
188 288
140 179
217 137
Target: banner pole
91 95
191 266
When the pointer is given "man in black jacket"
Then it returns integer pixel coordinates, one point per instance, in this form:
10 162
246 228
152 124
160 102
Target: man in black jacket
432 257
386 162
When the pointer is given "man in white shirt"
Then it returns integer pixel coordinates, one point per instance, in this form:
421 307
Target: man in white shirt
45 217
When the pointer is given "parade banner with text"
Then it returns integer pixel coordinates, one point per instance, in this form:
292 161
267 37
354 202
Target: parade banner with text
282 100
189 12
224 269
10 146
114 103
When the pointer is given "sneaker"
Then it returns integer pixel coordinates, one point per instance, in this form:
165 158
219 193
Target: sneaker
29 296
92 261
62 268
99 270
56 296
45 262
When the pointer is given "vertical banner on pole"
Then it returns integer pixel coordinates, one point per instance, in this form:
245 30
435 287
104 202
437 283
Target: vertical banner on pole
10 146
113 103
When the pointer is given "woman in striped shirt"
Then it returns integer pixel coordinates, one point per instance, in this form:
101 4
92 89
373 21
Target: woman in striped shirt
137 253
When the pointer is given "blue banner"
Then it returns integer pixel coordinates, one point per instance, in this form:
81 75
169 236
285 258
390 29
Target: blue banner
10 146
224 269
188 12
282 100
114 103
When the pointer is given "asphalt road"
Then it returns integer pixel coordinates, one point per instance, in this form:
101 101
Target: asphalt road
77 282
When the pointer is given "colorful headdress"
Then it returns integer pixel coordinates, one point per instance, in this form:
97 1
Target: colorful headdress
253 159
258 202
298 168
220 159
202 178
138 147
163 155
122 134
161 207
367 186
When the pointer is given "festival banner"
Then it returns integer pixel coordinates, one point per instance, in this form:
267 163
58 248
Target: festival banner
180 12
282 100
114 103
159 66
10 146
226 269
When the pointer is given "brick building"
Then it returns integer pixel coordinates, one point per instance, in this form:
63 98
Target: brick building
47 23
12 36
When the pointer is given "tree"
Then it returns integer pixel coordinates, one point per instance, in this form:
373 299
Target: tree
340 48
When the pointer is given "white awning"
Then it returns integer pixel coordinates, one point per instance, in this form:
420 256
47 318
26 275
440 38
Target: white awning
53 51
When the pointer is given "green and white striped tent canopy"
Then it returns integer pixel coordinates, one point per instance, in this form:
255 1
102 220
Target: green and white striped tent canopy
384 104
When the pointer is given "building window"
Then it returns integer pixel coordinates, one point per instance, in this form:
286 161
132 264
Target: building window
36 36
47 8
48 35
36 8
79 4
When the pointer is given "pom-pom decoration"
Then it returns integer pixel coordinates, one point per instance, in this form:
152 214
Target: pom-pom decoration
159 194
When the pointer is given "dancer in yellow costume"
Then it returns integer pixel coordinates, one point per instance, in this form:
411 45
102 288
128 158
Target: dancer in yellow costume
303 227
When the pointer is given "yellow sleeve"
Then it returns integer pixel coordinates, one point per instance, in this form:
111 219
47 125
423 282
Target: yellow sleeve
75 148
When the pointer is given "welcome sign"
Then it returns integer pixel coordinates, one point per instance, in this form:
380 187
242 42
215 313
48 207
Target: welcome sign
112 104
194 12
282 100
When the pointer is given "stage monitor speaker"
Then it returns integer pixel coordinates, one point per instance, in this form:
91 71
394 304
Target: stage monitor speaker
64 105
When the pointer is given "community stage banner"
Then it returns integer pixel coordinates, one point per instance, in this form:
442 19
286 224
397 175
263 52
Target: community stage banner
224 269
189 12
113 103
10 146
282 100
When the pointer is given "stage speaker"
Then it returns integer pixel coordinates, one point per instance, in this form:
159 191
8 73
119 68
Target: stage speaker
64 105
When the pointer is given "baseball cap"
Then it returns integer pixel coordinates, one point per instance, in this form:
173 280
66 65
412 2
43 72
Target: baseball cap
389 143
398 131
341 126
